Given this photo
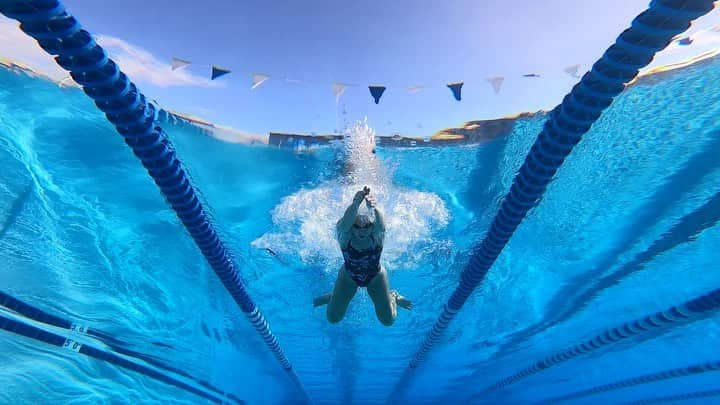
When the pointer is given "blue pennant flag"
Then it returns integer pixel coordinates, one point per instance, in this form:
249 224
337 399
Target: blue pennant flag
217 72
376 92
456 88
685 41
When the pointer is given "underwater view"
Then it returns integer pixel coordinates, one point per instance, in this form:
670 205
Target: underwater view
505 264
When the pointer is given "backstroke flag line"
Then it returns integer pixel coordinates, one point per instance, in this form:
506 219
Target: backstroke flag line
377 91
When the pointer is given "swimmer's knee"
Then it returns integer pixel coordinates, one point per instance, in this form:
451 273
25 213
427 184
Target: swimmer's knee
334 318
386 320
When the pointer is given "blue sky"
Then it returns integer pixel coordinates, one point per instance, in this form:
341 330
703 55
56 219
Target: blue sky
394 43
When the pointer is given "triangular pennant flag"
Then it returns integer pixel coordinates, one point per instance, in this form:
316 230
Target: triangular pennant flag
258 79
217 72
572 70
456 88
338 89
178 63
684 41
66 82
496 83
531 75
376 92
414 89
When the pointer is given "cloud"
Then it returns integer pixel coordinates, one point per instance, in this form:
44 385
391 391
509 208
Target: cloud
18 47
143 67
703 41
140 65
700 40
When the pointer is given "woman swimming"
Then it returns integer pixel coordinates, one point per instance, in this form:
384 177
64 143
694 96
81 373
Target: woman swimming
361 241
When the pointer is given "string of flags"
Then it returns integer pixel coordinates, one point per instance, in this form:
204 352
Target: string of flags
377 91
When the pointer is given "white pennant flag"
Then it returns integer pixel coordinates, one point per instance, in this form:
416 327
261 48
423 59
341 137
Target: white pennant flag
414 89
338 89
573 71
67 82
496 83
258 79
178 63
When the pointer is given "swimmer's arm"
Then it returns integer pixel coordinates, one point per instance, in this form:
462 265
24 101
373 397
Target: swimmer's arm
379 228
379 221
345 223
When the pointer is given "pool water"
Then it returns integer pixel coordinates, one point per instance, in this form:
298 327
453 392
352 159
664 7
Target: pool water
627 228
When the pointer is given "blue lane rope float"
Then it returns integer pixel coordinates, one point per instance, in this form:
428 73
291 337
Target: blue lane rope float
31 312
640 380
39 334
689 311
649 32
59 33
14 304
572 299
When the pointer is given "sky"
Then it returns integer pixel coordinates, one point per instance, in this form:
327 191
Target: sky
305 46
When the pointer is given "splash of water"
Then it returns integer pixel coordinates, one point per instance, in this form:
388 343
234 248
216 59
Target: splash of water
304 223
360 164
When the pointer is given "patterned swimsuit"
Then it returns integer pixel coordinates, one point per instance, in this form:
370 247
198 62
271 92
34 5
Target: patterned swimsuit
362 265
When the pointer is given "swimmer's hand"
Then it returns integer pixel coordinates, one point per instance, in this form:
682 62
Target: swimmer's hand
360 195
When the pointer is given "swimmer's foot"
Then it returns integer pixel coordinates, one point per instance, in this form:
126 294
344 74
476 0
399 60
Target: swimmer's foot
322 300
400 300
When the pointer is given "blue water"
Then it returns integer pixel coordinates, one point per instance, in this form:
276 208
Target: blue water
627 228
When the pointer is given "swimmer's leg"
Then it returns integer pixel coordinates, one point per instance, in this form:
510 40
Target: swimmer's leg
345 289
322 300
385 300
